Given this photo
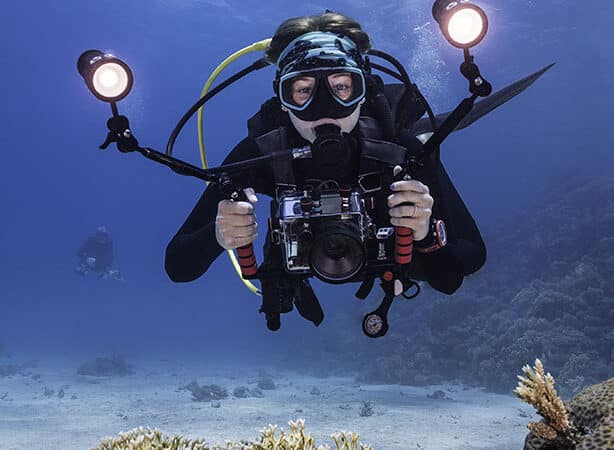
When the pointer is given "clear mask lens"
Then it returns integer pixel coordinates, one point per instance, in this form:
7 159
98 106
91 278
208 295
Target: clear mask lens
298 90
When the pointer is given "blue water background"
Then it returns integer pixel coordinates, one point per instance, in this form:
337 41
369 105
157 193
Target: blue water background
56 187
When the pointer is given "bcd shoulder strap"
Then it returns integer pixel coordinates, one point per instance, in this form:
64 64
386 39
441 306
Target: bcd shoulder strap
275 141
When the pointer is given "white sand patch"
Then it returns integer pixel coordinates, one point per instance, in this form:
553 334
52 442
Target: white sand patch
92 408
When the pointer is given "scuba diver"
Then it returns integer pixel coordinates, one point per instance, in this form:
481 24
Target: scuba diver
96 255
327 99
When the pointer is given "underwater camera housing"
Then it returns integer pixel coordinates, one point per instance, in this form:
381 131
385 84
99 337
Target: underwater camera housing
329 234
324 229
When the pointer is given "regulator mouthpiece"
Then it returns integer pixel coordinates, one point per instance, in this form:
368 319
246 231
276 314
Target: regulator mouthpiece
327 137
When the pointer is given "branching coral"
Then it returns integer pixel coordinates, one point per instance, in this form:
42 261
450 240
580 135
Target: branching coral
588 417
148 439
537 389
296 439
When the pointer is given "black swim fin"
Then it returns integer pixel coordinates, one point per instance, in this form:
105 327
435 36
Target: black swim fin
483 107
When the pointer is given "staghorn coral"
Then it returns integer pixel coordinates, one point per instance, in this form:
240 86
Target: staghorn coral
148 439
537 389
586 423
296 439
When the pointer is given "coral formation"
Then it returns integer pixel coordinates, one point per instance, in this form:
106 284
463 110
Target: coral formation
295 439
366 409
438 395
266 383
537 389
245 392
586 422
7 370
206 392
115 365
592 411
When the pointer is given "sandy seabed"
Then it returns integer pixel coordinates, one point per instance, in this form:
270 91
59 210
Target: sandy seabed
92 408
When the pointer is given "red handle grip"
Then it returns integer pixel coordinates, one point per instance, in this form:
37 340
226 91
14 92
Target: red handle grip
404 245
247 260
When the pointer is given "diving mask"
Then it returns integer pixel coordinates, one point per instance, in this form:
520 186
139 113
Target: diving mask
326 92
321 74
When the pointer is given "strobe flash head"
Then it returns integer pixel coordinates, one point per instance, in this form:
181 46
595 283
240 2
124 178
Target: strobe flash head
462 23
107 77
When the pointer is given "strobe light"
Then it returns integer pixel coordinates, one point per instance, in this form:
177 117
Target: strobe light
462 23
106 76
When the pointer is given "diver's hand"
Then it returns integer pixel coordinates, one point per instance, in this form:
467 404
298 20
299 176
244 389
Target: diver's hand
410 206
235 224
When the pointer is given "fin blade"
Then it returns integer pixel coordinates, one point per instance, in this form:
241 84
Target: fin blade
484 106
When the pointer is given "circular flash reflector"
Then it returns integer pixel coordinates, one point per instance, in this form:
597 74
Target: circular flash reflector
111 80
465 26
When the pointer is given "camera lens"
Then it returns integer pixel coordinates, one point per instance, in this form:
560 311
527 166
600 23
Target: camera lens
337 253
335 246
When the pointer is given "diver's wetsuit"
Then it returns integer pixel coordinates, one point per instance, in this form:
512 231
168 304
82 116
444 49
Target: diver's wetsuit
192 250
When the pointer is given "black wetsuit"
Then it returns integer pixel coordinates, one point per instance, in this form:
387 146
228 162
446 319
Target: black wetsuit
192 250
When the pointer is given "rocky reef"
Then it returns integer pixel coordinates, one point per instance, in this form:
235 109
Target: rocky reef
547 290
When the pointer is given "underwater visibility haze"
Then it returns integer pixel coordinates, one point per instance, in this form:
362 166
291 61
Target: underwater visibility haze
91 347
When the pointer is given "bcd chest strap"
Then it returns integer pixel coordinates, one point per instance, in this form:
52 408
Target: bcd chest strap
375 155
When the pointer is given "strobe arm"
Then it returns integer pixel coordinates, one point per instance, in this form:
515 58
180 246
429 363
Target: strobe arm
478 86
121 135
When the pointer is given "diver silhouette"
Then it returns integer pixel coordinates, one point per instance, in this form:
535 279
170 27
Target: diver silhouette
96 255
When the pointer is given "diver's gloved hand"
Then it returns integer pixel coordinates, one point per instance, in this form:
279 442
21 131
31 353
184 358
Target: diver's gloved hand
235 224
410 205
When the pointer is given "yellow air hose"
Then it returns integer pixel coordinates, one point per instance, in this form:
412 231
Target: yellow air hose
256 46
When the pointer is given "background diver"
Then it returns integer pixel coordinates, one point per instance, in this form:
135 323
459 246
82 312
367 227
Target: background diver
324 83
96 255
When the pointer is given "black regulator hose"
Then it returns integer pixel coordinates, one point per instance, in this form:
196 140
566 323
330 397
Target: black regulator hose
259 64
406 80
382 110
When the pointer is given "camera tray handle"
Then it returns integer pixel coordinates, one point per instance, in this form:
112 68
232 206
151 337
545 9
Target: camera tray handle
247 257
404 237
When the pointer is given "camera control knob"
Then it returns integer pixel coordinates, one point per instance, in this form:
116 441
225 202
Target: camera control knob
316 195
345 192
306 204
